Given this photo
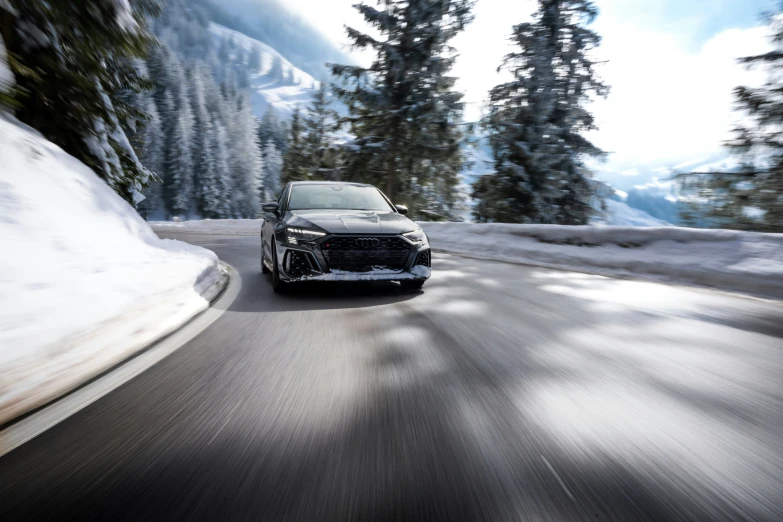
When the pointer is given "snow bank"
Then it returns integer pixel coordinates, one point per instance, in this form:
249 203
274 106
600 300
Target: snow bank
228 227
84 282
723 259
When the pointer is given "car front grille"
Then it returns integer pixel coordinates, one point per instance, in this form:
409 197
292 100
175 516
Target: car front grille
367 253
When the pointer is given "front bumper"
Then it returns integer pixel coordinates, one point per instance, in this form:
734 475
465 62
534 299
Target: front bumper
306 262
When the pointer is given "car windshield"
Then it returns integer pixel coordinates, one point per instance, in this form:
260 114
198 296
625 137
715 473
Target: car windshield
343 197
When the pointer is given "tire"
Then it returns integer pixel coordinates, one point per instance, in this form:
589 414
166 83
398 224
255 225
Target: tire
277 285
412 284
264 269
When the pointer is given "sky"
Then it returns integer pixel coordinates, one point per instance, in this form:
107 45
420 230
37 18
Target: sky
671 66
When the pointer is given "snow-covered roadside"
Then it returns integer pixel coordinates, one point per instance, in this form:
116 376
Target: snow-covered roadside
84 281
227 227
723 259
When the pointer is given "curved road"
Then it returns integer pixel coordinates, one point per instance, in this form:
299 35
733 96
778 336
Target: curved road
500 392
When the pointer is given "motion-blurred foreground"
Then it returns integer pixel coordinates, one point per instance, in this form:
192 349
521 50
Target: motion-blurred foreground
502 392
552 368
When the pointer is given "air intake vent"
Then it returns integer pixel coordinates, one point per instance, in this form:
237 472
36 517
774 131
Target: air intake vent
298 264
424 259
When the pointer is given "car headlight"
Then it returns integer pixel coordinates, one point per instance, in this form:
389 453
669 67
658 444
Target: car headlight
418 237
295 235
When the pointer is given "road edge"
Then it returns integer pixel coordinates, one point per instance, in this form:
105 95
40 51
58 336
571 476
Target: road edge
620 274
33 424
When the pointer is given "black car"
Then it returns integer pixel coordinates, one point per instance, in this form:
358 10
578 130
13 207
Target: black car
332 231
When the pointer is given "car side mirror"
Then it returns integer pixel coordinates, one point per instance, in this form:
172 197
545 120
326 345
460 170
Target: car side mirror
270 207
402 209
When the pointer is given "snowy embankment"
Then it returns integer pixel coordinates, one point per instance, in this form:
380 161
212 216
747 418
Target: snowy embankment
723 259
223 227
84 281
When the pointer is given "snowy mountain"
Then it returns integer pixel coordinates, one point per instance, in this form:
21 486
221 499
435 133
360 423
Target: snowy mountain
620 214
277 82
611 208
276 23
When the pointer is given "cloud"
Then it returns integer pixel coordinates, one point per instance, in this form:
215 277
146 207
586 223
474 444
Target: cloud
667 103
630 172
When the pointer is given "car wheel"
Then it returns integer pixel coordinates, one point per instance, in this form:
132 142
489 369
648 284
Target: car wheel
277 285
412 284
264 269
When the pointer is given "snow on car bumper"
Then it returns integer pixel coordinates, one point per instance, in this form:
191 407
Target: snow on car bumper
417 273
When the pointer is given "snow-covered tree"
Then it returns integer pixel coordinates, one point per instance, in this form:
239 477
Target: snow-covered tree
320 151
276 71
153 157
750 197
294 163
224 51
180 160
403 110
7 81
273 128
245 161
255 61
216 191
203 178
537 120
77 60
273 168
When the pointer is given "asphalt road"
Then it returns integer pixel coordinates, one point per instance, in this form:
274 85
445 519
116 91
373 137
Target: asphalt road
500 392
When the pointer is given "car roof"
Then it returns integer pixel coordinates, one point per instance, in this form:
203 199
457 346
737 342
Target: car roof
294 183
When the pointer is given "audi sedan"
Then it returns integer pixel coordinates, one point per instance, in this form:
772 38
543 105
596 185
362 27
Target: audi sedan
333 231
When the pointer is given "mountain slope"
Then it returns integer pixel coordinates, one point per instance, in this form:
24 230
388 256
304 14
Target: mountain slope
283 89
620 214
271 22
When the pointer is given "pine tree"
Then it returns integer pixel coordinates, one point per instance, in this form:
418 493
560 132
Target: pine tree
750 198
216 188
294 165
152 157
254 60
273 167
403 111
246 162
224 51
7 81
276 71
180 167
272 128
319 155
203 177
78 60
536 121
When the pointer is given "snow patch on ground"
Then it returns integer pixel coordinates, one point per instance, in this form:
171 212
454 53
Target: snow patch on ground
84 281
724 259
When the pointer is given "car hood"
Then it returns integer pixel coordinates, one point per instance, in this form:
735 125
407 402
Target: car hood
352 221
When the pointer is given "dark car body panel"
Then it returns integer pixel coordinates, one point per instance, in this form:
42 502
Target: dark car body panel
344 224
351 221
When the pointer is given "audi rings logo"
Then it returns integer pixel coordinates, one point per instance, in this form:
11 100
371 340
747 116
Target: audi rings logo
367 243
